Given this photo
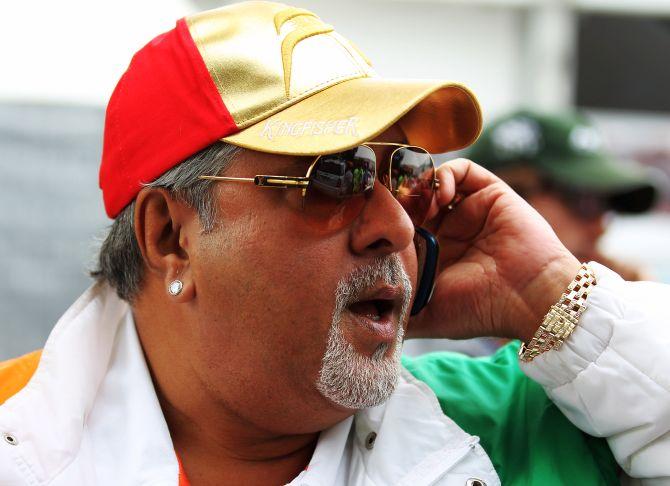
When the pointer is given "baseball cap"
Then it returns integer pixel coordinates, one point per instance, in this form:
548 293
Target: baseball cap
567 150
269 77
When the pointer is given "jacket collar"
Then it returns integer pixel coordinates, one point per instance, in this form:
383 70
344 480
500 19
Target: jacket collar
90 412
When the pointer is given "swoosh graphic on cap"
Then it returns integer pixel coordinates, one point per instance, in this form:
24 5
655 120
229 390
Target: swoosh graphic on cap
306 25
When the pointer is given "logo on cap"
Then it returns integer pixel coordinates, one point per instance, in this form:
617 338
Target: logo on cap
306 25
518 137
585 139
278 128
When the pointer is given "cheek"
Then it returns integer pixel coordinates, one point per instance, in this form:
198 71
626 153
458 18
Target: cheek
265 295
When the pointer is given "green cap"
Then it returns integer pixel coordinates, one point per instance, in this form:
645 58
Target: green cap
567 150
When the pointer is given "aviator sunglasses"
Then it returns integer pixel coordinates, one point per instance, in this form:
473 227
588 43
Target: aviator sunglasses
334 183
334 186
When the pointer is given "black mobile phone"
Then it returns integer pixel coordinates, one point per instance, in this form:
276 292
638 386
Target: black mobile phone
427 252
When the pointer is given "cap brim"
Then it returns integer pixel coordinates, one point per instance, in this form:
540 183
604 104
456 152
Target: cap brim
436 115
627 187
597 173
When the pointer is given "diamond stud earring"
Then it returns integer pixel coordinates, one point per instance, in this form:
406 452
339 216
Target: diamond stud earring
175 287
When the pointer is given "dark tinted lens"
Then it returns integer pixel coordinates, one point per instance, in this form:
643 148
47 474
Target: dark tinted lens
344 174
412 175
336 184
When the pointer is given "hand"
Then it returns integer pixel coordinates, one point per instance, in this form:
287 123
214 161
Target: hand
501 265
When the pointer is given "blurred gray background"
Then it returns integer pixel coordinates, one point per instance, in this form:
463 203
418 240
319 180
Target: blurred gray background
551 55
50 212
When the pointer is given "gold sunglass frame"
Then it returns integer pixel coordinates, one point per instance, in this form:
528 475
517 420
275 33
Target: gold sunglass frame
297 182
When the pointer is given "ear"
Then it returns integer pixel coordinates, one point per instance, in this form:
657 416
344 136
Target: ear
162 226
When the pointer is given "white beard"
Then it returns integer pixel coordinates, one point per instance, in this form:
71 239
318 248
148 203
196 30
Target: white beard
347 377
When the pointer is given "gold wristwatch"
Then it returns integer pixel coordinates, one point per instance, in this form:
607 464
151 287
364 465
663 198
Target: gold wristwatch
562 317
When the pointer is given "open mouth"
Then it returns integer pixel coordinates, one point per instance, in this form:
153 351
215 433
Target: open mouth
376 314
375 309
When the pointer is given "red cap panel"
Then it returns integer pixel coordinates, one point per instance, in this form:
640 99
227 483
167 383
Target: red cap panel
164 109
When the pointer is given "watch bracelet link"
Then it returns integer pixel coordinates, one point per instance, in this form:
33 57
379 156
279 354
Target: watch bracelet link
562 318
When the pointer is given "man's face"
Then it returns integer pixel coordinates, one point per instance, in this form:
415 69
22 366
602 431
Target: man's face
295 325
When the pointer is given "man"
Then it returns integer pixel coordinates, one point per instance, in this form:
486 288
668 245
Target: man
252 300
557 163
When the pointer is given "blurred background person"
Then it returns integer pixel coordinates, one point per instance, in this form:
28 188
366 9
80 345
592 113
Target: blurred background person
557 162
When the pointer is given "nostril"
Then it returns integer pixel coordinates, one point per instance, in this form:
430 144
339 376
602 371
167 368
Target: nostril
380 244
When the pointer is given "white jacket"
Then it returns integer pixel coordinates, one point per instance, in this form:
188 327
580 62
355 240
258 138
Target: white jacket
90 416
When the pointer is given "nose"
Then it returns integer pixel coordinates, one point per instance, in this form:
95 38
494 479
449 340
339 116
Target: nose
383 226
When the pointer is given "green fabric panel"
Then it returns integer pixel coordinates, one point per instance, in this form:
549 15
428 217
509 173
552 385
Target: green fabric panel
528 439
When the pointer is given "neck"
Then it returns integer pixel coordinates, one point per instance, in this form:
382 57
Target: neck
221 448
215 444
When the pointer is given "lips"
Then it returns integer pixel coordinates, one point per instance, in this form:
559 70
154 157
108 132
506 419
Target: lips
374 309
377 314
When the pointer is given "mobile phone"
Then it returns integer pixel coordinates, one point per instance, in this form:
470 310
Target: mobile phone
427 252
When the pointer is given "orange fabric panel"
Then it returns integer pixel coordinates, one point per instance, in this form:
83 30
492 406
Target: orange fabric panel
16 373
183 480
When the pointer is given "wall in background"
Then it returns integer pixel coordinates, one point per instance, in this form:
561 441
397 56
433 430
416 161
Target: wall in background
50 213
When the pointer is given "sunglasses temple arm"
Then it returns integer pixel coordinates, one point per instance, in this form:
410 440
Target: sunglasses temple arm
265 180
281 181
222 178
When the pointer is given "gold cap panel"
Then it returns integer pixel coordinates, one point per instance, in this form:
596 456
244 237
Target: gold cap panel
265 56
439 116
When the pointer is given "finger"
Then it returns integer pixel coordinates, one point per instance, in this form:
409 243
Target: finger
467 177
447 189
456 178
459 179
444 193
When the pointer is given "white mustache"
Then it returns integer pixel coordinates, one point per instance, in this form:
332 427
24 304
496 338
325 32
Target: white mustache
387 269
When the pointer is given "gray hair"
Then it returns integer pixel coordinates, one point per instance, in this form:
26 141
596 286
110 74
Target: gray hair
119 260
